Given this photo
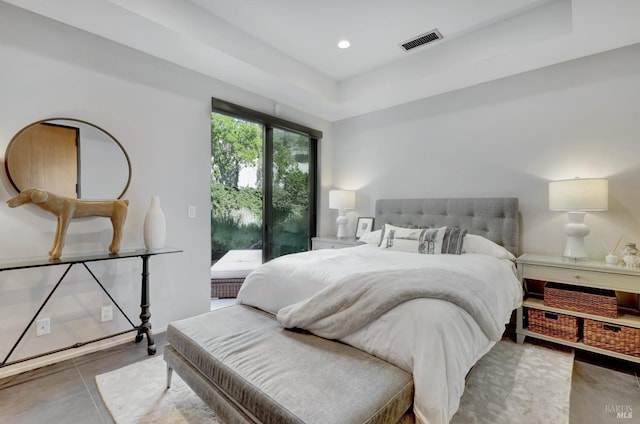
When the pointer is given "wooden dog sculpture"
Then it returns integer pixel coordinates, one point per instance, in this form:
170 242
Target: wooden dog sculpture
66 208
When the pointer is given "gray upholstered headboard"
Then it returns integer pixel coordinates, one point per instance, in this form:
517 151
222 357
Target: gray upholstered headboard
494 218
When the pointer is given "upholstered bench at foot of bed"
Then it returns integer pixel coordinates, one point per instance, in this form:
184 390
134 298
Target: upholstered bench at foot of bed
248 369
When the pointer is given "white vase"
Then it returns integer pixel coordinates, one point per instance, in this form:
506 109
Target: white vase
155 226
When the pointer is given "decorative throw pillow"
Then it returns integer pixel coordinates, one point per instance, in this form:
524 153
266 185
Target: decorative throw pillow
372 237
453 241
400 238
416 240
478 244
431 241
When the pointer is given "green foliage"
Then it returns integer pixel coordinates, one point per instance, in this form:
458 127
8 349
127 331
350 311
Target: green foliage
226 201
234 144
236 219
227 234
291 184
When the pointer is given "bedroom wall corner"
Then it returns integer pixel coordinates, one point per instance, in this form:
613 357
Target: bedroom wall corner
509 138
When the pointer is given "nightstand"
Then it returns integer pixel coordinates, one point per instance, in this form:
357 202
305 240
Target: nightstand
582 275
332 243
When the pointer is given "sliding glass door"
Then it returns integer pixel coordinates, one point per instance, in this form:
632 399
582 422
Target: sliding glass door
263 178
289 211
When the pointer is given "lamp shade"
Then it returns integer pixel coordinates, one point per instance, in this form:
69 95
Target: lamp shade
588 194
342 199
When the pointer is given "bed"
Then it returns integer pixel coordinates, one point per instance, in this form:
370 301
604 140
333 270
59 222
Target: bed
375 298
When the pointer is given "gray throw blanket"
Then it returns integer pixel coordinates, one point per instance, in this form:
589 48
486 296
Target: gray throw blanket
349 304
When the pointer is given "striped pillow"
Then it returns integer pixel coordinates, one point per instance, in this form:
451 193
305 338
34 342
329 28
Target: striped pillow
452 242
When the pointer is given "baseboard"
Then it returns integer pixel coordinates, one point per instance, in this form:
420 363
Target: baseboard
54 358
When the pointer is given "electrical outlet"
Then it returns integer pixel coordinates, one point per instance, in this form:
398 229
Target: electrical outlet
106 313
43 326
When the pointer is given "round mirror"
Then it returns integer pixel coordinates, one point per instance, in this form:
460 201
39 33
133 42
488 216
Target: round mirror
69 157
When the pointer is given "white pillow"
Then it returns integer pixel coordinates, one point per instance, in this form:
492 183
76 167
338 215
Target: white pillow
416 240
477 244
372 237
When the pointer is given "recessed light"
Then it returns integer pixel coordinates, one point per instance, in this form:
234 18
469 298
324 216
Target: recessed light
344 44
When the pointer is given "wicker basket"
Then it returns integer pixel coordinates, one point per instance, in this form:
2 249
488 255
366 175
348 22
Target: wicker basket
555 325
225 287
617 338
581 299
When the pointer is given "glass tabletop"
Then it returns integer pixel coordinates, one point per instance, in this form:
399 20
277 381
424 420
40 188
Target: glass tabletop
37 261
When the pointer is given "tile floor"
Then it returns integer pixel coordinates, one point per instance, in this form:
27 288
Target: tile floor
66 393
601 387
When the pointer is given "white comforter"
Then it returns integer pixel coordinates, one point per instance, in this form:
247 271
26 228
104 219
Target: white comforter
434 339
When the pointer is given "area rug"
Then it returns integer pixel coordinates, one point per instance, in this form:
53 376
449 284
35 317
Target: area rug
523 384
136 394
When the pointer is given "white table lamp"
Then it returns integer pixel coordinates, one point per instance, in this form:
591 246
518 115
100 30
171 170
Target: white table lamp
578 196
341 200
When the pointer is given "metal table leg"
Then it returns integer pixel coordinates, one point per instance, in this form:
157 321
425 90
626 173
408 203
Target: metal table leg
145 325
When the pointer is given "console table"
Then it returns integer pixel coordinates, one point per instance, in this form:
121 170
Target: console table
144 329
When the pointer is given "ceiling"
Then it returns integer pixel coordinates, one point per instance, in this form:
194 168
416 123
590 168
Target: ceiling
286 50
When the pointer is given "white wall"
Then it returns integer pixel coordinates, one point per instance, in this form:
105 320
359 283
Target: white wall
509 138
160 113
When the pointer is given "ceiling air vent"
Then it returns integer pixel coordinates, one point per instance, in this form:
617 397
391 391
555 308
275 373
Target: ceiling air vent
421 40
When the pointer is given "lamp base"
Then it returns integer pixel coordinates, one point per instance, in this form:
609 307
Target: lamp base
342 225
574 249
576 230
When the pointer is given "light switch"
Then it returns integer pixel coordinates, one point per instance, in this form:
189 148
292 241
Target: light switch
191 212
